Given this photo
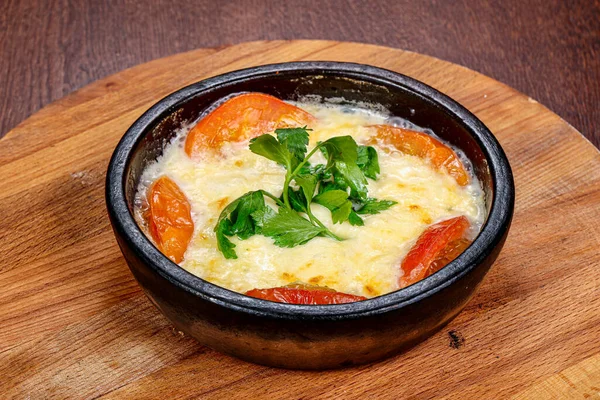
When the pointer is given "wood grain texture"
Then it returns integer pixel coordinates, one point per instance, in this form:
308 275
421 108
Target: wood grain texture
548 49
74 324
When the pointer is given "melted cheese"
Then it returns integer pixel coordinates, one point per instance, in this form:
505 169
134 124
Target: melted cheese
366 263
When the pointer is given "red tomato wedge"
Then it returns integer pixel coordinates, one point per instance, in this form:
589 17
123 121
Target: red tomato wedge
169 218
304 294
435 248
425 146
243 117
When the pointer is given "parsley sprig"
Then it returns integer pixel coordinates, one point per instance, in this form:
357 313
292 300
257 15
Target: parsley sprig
340 185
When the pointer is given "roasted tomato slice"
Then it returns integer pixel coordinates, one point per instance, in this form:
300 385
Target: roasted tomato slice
304 294
242 117
425 146
169 218
436 247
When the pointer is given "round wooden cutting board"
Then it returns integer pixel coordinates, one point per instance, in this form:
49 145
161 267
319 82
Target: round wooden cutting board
74 324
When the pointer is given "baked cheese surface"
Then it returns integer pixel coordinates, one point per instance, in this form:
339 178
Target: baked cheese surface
366 263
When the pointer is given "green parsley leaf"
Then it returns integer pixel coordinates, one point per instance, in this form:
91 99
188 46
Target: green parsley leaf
235 219
368 161
243 225
355 219
374 206
308 184
223 243
354 177
268 147
295 139
306 169
342 153
300 199
363 155
321 172
328 185
337 202
261 216
289 229
297 200
340 148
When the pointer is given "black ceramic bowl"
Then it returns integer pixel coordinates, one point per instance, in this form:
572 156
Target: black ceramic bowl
301 336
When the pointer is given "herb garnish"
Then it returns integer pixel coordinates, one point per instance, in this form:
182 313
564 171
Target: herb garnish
340 185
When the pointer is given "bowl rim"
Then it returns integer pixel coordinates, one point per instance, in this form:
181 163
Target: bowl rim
490 236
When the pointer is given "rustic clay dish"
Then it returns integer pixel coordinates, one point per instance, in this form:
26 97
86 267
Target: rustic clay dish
300 336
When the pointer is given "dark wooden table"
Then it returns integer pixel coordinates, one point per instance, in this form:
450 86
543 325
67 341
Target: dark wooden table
547 49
